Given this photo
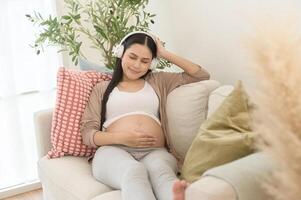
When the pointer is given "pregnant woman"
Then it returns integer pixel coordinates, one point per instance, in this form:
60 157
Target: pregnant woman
126 119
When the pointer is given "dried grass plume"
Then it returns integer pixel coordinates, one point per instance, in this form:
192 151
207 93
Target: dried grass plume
276 49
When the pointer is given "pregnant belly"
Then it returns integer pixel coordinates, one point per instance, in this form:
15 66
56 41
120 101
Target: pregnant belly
141 123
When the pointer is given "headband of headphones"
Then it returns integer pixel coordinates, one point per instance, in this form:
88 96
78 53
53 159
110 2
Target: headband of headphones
119 49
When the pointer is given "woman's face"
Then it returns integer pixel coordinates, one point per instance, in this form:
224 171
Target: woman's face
135 61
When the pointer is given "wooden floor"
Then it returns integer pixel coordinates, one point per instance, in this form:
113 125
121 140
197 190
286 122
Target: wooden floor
33 195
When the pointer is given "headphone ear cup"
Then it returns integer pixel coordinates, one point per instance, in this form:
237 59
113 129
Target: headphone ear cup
154 64
118 51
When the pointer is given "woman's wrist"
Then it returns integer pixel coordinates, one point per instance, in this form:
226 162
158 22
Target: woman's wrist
164 54
116 138
106 138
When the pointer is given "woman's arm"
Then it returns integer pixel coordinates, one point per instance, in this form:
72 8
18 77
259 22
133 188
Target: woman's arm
91 118
128 138
188 66
102 138
167 81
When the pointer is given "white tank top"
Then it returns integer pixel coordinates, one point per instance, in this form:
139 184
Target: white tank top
120 104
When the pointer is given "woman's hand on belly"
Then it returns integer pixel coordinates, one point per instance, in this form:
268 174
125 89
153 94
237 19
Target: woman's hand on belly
137 130
136 138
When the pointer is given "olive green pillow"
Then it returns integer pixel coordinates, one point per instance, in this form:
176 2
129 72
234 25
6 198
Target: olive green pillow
225 136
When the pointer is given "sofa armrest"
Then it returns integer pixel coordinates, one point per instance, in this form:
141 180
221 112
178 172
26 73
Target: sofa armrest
246 175
210 188
42 122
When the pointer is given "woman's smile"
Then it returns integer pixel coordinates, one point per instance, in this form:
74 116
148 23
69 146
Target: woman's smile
134 71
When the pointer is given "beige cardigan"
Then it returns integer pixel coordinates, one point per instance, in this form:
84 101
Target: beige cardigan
162 82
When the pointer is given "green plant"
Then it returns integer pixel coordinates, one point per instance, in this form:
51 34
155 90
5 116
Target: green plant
104 22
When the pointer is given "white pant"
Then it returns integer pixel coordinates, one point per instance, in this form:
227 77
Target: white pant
149 178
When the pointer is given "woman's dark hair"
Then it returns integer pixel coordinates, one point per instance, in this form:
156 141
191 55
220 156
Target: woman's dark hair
138 38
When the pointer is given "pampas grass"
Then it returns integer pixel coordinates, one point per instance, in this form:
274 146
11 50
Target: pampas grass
276 49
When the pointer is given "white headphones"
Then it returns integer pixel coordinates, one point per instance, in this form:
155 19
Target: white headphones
118 50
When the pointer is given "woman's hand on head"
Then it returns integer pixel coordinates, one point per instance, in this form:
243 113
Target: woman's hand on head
136 139
160 48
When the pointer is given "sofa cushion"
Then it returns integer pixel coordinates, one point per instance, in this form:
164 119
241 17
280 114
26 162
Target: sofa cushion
73 91
69 177
216 98
186 109
225 136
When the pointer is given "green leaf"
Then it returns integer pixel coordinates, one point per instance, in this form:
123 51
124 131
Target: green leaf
76 17
61 50
76 7
66 17
73 58
40 16
99 30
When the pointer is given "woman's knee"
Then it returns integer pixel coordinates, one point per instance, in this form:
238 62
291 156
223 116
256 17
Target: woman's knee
160 160
101 163
135 171
100 154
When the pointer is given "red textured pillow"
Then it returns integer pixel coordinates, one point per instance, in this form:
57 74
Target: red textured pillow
73 91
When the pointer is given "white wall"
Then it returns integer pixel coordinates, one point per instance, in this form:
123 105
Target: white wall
212 32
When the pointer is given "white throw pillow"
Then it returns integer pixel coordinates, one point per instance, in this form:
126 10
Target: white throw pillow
216 98
186 109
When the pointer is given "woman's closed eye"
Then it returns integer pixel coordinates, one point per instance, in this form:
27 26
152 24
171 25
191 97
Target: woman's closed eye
133 57
145 61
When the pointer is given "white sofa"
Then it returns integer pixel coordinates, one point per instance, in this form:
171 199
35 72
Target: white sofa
70 178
